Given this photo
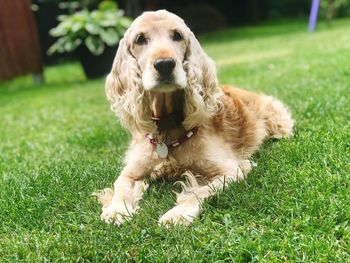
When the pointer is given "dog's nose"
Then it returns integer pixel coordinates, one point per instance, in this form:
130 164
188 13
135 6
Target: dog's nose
164 66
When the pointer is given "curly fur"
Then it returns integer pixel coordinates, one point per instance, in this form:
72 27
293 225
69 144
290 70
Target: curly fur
233 123
125 91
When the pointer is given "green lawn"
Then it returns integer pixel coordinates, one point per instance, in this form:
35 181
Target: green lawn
59 142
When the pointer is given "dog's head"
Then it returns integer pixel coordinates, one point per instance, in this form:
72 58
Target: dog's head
160 55
158 42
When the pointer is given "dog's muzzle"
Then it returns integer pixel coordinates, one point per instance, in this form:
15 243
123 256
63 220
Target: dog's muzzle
164 75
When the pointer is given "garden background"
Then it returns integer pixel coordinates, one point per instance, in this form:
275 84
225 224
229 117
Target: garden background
59 142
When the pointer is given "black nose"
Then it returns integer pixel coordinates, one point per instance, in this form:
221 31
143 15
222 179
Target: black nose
165 66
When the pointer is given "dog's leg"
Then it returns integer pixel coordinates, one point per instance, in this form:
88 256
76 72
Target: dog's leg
120 204
125 201
188 203
246 166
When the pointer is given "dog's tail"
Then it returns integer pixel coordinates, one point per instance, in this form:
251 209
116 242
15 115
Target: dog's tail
104 197
278 118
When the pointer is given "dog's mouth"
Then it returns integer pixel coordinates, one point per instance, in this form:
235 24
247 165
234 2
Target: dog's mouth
166 80
166 85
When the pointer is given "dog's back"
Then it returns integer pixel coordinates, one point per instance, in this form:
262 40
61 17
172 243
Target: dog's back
249 118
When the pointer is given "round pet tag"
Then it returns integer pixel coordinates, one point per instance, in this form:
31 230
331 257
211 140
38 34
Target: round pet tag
162 150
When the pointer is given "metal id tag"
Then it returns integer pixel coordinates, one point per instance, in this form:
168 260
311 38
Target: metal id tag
162 150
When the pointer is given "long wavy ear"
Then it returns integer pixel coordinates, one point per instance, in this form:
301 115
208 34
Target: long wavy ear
125 93
203 92
116 83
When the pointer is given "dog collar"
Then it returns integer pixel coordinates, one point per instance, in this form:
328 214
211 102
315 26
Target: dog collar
162 148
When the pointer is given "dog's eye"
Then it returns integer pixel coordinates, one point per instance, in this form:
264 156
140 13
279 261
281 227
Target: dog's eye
140 39
177 36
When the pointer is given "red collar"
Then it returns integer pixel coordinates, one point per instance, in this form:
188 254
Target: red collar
175 143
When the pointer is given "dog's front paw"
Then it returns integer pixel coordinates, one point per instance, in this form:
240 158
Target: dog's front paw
179 215
116 213
246 166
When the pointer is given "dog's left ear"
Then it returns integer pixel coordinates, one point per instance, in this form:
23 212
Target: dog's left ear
203 91
204 66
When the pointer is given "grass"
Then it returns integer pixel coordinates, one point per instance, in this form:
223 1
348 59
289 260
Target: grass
59 142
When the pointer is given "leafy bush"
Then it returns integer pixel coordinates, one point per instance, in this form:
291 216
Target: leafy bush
334 8
94 29
202 17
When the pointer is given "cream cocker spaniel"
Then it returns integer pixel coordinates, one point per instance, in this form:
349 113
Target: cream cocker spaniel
164 89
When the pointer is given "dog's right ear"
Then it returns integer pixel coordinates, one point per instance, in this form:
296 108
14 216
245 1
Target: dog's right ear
125 93
116 82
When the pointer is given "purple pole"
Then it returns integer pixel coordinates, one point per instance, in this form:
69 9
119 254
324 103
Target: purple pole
313 15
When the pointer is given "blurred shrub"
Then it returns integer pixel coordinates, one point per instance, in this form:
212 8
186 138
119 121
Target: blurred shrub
328 8
46 13
202 17
253 11
287 8
95 29
334 8
74 4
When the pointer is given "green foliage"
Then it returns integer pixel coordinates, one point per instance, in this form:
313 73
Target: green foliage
334 8
95 29
286 8
59 142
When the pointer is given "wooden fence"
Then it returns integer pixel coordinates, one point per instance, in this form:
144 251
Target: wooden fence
19 43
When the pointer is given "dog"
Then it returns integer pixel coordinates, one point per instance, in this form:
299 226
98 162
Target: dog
164 89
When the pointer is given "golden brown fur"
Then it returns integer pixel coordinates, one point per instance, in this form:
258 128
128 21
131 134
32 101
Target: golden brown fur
232 122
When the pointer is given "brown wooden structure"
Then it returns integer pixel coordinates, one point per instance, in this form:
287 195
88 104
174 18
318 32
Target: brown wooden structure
19 43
